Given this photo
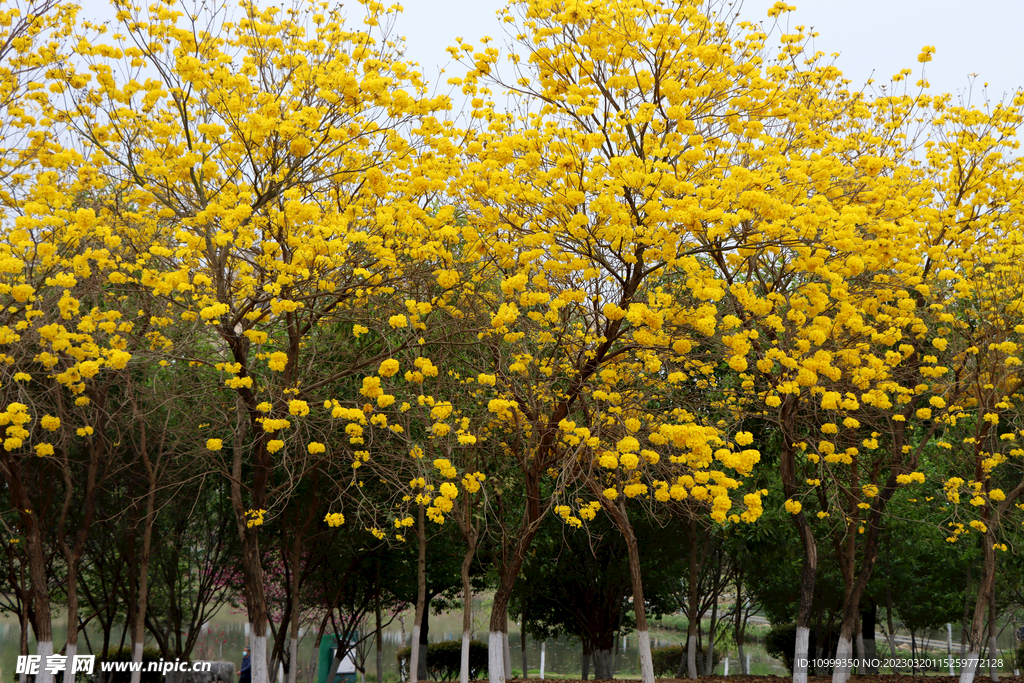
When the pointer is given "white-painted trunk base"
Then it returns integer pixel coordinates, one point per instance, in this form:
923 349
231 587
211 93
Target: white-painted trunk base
543 655
949 647
464 661
643 643
70 650
726 671
506 655
495 655
746 672
800 652
44 650
967 672
861 653
844 651
260 672
280 672
136 657
414 654
993 654
293 658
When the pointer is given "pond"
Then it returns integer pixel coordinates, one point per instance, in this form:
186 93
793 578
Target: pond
225 635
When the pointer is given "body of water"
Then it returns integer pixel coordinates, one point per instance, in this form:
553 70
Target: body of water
223 638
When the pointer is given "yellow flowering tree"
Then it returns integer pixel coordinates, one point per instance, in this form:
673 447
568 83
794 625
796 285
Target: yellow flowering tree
271 173
974 245
62 345
602 199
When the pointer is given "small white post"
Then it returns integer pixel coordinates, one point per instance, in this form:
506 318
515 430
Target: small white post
949 647
543 647
748 663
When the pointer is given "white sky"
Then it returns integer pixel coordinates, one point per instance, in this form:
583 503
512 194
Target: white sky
872 36
880 36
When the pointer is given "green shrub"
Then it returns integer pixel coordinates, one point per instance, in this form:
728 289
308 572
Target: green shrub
124 654
780 643
666 660
673 622
445 659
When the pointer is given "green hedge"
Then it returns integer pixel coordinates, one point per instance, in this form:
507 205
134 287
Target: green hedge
666 660
124 654
445 659
780 643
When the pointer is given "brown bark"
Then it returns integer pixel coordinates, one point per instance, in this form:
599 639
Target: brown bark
38 591
252 566
138 637
471 535
809 571
985 588
96 448
696 561
421 595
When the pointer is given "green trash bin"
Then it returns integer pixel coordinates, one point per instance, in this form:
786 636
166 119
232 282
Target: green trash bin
346 672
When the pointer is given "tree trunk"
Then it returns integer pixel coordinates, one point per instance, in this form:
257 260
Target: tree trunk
604 664
965 626
522 646
499 665
978 621
993 645
709 651
421 597
314 656
868 626
421 670
949 648
506 653
809 571
858 645
42 624
252 567
139 634
585 665
855 582
739 629
470 535
293 641
379 631
692 597
621 519
71 648
891 633
23 623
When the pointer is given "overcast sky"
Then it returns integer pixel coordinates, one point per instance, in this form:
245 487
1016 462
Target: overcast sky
872 36
880 36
